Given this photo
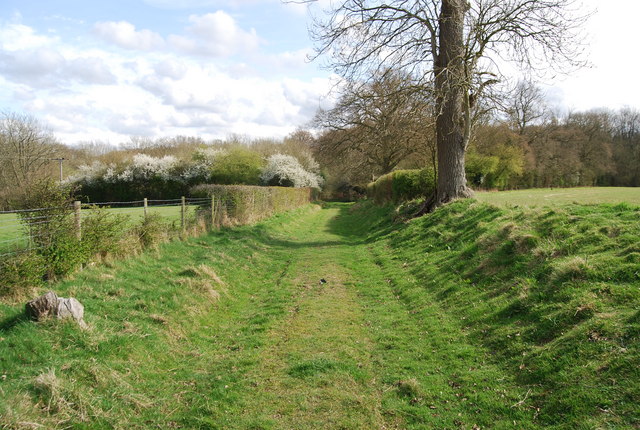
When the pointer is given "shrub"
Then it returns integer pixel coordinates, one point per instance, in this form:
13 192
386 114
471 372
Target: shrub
152 231
286 171
242 204
21 273
64 254
402 185
237 166
102 232
498 169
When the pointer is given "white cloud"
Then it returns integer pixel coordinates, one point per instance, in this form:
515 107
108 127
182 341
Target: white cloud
88 70
95 93
29 64
170 68
125 35
216 34
19 37
291 59
191 4
50 68
611 82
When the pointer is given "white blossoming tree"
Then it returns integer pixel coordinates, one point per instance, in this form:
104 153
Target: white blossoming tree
145 167
285 170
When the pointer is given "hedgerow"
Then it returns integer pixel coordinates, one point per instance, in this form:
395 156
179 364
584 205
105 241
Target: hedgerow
168 177
243 204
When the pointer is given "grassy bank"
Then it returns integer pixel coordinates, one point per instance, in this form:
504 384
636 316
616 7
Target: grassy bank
472 317
551 293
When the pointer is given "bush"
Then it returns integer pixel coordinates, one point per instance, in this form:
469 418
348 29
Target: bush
286 171
402 185
21 273
498 169
152 231
48 216
237 166
102 232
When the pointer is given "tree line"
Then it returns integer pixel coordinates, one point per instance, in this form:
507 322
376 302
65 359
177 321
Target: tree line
383 125
591 148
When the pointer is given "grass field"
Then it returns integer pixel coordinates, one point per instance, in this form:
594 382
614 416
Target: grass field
336 317
10 229
561 196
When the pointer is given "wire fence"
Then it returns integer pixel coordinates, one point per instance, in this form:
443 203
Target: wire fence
218 205
27 229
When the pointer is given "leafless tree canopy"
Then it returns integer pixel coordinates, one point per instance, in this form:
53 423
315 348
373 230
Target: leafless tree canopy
361 36
25 149
525 106
378 124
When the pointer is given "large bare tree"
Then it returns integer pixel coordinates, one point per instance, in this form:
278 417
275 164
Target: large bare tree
380 123
452 47
525 106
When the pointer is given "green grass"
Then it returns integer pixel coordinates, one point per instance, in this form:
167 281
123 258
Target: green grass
472 317
561 196
10 229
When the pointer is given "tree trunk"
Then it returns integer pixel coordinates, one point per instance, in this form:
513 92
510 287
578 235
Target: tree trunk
451 88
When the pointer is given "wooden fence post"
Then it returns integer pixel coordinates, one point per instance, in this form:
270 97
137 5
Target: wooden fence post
213 212
145 208
183 213
77 206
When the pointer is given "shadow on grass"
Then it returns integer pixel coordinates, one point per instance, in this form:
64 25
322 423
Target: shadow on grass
12 321
361 225
350 227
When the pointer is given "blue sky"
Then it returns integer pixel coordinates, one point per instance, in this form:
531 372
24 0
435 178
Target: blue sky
108 70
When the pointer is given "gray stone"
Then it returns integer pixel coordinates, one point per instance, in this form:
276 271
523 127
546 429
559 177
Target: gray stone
50 305
42 307
71 308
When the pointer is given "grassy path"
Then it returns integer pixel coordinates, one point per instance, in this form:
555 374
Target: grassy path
352 354
303 322
316 369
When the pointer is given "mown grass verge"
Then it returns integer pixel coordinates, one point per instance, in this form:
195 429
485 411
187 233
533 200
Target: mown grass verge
561 196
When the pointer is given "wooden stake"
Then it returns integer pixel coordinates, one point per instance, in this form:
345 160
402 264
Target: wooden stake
77 206
183 213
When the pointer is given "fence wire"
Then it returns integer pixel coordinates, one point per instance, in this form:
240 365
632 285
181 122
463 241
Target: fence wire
26 229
